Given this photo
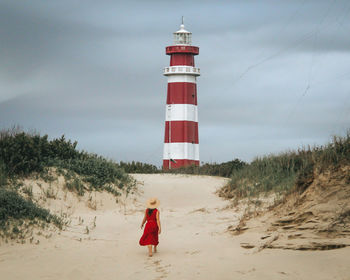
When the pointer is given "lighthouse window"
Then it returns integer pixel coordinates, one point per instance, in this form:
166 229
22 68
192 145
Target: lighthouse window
182 38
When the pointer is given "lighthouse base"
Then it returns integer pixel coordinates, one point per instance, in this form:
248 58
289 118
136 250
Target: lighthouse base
177 163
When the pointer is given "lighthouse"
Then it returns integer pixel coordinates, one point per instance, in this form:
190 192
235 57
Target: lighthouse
181 145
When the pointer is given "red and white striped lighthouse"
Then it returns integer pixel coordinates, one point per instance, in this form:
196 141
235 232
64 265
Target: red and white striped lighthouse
181 145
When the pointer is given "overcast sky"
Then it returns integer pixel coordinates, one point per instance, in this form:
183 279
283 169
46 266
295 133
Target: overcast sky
275 74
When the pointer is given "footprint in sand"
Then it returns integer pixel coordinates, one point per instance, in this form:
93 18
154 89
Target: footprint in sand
202 210
245 271
192 253
159 268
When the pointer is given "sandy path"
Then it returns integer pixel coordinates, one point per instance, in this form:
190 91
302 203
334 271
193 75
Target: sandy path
193 244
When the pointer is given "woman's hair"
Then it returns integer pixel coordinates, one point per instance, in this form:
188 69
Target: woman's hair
150 211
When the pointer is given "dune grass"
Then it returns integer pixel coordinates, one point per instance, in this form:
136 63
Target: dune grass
29 154
23 154
14 206
3 175
286 171
224 169
139 167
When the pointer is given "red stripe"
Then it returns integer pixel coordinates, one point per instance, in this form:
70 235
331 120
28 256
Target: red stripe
181 132
181 49
182 59
179 163
182 93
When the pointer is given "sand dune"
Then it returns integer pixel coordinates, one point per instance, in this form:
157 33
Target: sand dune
194 243
314 217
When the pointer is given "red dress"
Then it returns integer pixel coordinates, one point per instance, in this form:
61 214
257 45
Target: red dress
150 233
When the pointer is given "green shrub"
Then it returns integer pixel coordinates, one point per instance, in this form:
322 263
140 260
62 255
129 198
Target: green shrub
13 206
224 169
268 173
23 153
3 175
76 185
20 154
283 172
62 149
28 191
94 170
335 153
138 167
214 169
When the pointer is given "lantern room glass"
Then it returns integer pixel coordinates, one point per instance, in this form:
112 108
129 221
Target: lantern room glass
182 38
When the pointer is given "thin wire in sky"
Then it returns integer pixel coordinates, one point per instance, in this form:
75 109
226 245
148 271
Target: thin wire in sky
287 23
312 62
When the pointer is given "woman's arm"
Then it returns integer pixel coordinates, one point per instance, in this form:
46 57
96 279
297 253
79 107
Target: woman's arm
144 219
158 223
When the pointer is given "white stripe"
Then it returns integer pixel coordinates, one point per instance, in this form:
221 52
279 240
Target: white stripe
181 69
181 79
181 112
181 151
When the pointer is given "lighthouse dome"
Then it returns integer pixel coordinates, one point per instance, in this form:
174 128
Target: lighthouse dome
182 36
182 29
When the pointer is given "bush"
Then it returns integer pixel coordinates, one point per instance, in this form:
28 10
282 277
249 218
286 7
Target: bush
13 206
3 175
76 185
23 153
224 169
94 170
283 172
274 172
62 149
138 167
214 169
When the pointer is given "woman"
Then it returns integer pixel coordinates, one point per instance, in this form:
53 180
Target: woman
152 228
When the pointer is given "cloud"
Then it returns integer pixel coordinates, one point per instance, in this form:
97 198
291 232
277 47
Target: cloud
274 73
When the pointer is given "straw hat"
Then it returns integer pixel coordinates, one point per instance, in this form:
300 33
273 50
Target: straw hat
152 203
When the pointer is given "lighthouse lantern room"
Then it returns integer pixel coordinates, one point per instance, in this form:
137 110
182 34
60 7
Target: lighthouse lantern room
181 145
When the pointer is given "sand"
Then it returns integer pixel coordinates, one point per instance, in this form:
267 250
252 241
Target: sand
194 243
